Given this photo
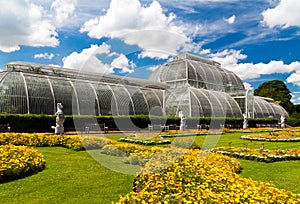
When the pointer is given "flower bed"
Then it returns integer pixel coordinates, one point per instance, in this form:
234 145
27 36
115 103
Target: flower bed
145 142
260 155
188 134
134 154
250 130
281 136
19 161
43 140
199 177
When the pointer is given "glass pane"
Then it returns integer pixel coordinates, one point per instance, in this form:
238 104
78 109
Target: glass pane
13 97
40 95
64 93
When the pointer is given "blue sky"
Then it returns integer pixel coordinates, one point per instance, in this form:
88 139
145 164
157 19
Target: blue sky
258 40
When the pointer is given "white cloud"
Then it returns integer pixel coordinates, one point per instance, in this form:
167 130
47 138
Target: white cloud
24 23
54 65
230 20
248 86
295 97
205 51
87 60
148 27
153 68
124 64
229 60
285 14
295 77
44 56
63 10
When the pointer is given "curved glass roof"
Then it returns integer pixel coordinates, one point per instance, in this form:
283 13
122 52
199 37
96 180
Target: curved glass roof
265 107
197 86
201 102
24 91
198 72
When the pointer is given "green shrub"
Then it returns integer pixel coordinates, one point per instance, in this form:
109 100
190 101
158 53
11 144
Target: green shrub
253 122
294 122
43 123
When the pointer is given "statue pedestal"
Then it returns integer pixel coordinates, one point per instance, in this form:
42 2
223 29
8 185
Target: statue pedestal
181 127
59 130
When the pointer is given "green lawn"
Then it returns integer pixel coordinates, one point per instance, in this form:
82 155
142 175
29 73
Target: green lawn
237 142
285 175
75 177
69 177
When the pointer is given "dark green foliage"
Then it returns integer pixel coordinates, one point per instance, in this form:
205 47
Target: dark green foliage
278 91
28 122
253 122
295 115
297 109
172 120
294 122
43 123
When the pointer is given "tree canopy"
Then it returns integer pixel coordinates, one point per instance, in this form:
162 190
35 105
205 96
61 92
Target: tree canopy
278 91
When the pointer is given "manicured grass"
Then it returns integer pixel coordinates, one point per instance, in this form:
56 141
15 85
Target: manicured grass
235 140
69 177
285 175
212 141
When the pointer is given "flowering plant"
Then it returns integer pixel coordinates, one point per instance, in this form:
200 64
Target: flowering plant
262 154
200 177
19 161
280 136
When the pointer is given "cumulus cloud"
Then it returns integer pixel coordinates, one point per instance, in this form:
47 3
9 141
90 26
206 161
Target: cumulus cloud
295 77
295 97
248 86
124 64
153 68
63 10
24 23
87 60
44 56
148 27
230 20
285 14
229 59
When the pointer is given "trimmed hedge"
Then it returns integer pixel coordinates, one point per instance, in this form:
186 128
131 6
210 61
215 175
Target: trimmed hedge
43 123
294 122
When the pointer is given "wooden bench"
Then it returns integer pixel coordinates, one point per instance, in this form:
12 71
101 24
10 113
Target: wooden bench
174 127
160 127
202 127
4 128
95 127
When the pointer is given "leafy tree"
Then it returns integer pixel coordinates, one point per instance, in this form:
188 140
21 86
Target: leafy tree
278 91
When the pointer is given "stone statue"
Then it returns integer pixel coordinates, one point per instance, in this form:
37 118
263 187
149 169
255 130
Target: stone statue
60 119
282 121
182 120
245 122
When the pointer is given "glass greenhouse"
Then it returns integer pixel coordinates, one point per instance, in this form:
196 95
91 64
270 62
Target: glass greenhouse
30 88
191 84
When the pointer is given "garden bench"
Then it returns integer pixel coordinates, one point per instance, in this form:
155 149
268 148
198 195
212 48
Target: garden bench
202 127
95 127
160 127
173 127
4 128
